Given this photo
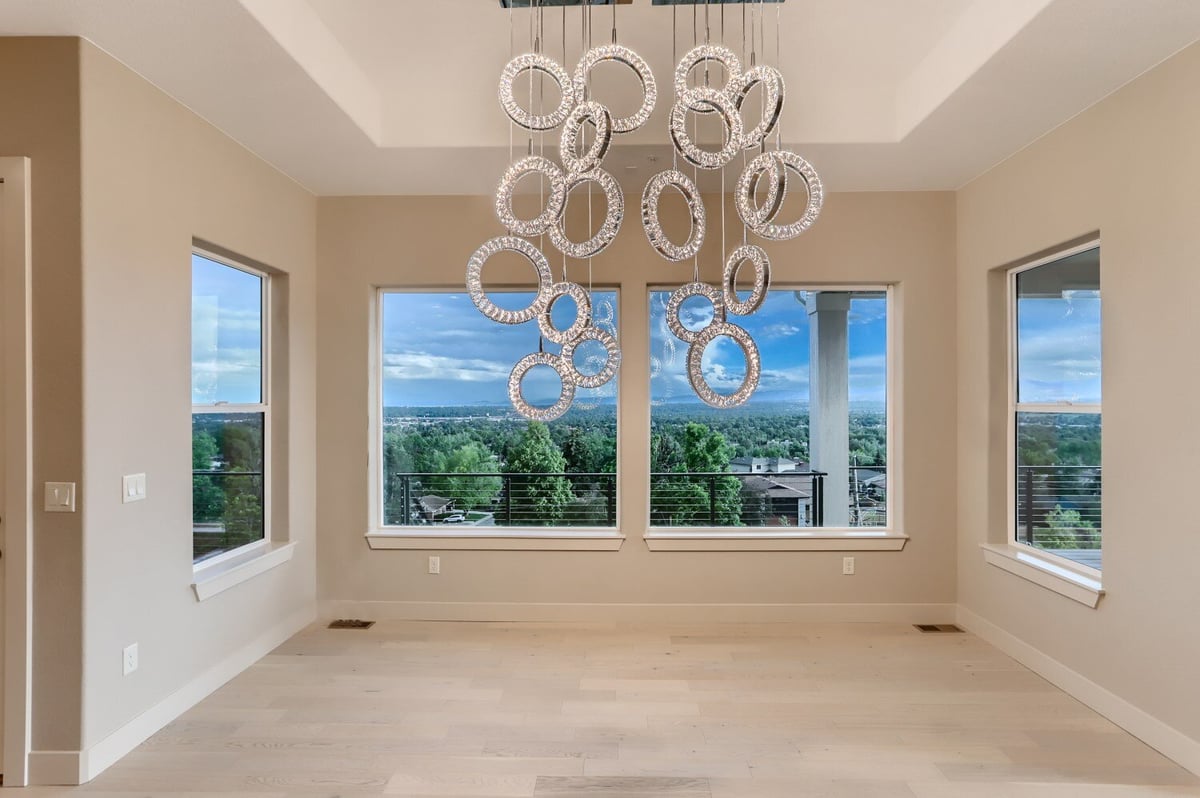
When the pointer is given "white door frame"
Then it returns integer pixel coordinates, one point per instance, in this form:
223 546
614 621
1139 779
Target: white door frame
16 315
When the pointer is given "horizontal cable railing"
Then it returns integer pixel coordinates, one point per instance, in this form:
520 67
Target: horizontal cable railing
227 510
721 499
501 499
1058 507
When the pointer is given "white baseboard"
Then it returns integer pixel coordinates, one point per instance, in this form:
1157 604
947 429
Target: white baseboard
628 613
1169 741
55 767
77 767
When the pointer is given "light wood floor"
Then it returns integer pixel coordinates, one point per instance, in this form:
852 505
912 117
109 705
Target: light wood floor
570 711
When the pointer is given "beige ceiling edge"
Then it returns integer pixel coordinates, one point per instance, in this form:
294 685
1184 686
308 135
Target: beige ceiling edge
302 34
982 30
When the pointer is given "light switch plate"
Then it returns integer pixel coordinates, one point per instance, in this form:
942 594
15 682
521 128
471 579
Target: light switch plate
60 497
133 488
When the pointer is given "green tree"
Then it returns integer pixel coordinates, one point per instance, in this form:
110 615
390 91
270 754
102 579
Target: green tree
697 493
468 492
1067 529
542 499
208 500
396 460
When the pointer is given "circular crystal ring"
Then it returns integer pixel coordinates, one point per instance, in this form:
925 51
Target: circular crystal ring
816 196
772 83
695 100
611 363
695 361
547 65
764 167
518 374
684 292
601 119
532 164
612 217
698 55
623 55
475 279
583 313
762 279
650 221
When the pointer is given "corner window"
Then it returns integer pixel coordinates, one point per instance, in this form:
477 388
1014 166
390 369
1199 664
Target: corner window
452 451
1055 397
810 447
229 406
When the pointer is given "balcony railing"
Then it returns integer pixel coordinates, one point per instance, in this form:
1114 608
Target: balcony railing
789 498
227 511
1058 507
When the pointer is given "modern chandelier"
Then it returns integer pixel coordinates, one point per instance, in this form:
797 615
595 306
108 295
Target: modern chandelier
759 196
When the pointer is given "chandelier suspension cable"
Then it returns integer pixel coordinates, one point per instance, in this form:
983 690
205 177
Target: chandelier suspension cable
745 158
696 136
541 39
779 66
674 59
587 93
567 196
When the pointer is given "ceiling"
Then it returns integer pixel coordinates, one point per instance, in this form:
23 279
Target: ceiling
399 96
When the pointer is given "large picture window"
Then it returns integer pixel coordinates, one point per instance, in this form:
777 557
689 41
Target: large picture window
454 453
229 406
1056 405
809 449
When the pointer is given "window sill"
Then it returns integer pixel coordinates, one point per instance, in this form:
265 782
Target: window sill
1075 582
217 577
786 540
508 540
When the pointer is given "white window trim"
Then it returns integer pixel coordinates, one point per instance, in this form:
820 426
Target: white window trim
208 570
884 538
386 538
1063 576
1041 566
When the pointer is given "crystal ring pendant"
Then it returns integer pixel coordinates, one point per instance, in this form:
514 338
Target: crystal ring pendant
695 360
765 167
623 55
565 397
532 164
650 217
613 216
611 363
695 99
698 55
739 89
475 279
602 121
816 196
583 313
762 279
679 296
541 63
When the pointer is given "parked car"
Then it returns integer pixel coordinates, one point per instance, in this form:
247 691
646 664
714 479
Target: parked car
457 518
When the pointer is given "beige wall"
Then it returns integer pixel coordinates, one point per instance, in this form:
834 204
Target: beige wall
154 176
907 239
39 95
1127 168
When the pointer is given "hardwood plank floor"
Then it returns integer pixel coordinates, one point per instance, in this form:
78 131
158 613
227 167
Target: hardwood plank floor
626 711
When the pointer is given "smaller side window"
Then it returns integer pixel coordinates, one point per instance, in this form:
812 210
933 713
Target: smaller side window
230 411
1055 412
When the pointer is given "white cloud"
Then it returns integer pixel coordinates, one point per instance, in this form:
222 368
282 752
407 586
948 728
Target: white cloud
421 366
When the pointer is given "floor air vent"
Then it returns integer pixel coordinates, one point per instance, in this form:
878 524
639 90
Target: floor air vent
351 623
937 627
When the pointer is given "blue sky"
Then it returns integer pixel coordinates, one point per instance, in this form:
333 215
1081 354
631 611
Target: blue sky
1058 348
439 350
226 334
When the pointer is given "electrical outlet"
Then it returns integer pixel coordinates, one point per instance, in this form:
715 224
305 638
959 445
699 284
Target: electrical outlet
129 659
848 566
435 564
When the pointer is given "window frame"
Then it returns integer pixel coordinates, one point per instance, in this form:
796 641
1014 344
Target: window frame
890 537
237 556
1066 577
392 537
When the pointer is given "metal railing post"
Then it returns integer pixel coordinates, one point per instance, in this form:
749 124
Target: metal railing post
712 499
1028 505
507 486
818 500
612 500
